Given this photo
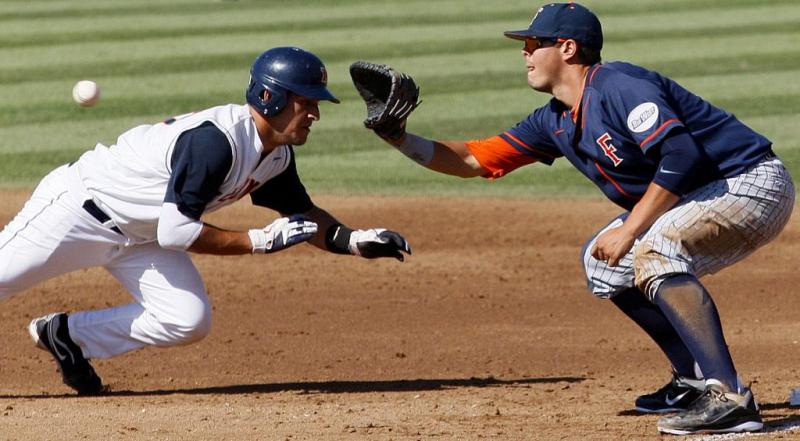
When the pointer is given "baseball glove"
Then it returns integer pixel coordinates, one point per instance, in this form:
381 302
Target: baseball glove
390 97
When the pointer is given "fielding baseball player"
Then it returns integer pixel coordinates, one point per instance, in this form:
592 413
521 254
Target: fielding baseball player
136 209
701 191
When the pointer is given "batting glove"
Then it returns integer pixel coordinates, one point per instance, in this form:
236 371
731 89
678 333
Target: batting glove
378 242
282 233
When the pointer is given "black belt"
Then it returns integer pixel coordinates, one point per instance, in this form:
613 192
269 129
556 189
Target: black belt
98 214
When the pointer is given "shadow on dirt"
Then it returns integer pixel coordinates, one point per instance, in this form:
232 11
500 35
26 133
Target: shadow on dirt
331 387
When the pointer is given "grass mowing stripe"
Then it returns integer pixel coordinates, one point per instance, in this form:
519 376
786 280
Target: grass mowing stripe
25 168
722 65
194 63
180 31
186 28
9 41
751 62
121 9
118 9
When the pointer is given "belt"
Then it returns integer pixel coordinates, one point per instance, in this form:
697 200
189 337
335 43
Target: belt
98 214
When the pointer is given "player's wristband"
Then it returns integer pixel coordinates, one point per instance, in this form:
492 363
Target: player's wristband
337 239
417 148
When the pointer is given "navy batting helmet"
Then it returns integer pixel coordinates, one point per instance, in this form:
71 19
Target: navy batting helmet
286 69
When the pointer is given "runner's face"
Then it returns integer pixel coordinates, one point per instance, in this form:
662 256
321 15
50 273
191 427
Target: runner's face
293 124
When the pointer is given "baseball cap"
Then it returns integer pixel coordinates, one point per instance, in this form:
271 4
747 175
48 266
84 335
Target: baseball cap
563 20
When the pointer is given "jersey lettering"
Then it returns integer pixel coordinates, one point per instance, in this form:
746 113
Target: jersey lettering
239 192
604 142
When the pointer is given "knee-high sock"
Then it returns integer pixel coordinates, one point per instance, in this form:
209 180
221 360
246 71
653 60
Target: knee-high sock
651 319
693 314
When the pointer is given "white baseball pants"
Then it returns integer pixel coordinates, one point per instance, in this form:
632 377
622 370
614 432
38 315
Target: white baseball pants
711 228
53 235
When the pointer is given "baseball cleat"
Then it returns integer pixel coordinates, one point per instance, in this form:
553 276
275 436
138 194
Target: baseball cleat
716 411
51 333
675 396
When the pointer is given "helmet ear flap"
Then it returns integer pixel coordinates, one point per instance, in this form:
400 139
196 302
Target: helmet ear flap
276 99
268 99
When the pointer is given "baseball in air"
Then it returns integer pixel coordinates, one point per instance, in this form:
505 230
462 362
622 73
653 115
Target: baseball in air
86 93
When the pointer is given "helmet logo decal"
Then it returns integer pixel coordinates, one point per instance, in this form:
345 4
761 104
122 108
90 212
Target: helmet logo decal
324 79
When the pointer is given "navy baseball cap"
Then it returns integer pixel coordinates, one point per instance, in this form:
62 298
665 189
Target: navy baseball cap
563 20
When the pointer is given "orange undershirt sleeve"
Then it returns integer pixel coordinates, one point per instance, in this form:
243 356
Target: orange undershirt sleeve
497 156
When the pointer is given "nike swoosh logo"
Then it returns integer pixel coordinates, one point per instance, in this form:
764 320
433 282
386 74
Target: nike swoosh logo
668 172
55 342
671 401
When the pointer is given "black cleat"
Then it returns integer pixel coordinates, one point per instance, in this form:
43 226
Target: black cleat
716 411
52 334
675 396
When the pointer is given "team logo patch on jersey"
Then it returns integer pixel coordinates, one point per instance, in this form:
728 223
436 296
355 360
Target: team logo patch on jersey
643 117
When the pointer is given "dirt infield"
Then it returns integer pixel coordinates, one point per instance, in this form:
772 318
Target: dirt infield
486 332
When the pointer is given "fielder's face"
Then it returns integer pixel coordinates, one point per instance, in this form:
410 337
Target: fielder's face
293 124
543 61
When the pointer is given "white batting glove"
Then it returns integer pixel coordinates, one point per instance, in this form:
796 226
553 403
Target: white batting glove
378 242
282 233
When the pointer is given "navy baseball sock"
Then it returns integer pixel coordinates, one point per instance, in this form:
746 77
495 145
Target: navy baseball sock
649 317
693 314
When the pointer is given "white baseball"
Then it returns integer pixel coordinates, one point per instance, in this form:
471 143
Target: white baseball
86 93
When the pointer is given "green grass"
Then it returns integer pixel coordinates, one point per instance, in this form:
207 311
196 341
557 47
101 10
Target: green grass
154 59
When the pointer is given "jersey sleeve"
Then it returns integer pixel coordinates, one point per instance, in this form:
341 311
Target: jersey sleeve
283 193
642 108
201 159
520 145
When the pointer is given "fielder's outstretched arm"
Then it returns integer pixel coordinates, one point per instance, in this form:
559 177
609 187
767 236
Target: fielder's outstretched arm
448 157
390 97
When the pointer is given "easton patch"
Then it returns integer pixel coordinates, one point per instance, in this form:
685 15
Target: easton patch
643 117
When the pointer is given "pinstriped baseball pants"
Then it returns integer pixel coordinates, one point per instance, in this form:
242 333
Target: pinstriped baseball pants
711 228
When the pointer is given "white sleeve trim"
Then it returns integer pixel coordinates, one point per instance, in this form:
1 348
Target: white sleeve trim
176 231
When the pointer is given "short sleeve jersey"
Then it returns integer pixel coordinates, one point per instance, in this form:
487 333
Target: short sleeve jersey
202 159
625 111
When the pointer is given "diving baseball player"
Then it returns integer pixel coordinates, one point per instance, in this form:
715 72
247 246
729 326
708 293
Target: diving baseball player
136 209
701 191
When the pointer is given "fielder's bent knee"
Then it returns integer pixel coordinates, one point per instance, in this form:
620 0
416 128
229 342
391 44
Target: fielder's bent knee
602 280
655 258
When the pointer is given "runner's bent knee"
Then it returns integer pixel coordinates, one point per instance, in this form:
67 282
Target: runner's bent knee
193 323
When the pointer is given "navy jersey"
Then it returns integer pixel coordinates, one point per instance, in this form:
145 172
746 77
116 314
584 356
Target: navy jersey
612 136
